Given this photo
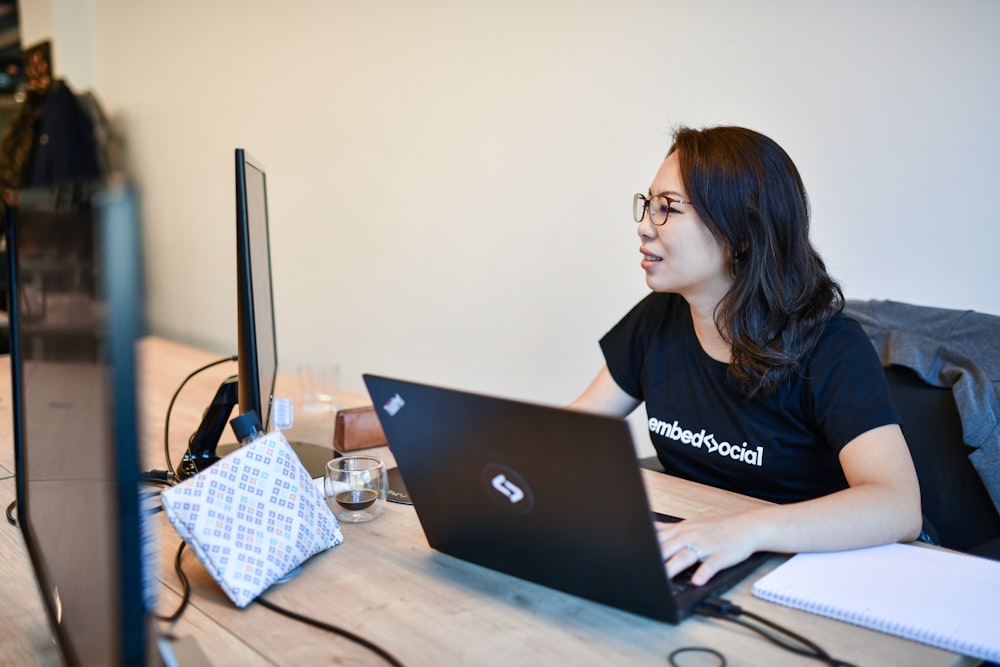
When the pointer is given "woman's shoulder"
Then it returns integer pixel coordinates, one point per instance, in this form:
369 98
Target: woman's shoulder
843 335
842 326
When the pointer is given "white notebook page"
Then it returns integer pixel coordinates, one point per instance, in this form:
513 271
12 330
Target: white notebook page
942 598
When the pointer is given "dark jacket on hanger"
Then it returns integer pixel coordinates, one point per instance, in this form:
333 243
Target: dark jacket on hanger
65 149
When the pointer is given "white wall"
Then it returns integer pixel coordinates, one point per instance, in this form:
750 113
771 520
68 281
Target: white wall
69 25
450 181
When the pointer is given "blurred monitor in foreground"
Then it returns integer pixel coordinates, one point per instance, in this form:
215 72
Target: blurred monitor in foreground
76 283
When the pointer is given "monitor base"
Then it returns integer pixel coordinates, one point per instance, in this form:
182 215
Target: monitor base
313 457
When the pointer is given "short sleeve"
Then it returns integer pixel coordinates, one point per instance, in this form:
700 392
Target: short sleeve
625 346
848 387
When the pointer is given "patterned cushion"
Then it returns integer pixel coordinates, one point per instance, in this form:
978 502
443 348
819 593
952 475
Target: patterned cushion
252 517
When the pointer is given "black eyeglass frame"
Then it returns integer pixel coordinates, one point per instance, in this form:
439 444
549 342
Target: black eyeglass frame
638 213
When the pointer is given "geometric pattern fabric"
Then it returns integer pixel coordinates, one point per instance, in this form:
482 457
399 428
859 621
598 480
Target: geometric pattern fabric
252 517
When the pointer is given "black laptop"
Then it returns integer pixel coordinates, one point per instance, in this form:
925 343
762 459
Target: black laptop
549 495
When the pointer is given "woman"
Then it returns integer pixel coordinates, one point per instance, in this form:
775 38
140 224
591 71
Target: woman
753 379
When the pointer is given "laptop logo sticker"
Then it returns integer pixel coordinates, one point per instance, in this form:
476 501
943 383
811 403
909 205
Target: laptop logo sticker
507 489
394 405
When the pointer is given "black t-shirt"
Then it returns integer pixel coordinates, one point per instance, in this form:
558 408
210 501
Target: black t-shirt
781 446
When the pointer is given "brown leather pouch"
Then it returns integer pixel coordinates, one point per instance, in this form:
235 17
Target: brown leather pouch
357 428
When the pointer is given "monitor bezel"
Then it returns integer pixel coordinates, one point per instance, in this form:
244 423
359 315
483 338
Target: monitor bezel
255 391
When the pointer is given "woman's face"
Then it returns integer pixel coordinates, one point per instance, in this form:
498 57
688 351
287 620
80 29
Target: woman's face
682 256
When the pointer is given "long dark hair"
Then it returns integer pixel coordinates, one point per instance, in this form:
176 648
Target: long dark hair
747 190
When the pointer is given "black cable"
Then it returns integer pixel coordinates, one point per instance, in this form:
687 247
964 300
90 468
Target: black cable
726 610
186 599
185 586
152 478
161 477
166 425
672 658
10 513
332 628
157 477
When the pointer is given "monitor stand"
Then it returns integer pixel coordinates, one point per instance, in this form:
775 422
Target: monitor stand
313 457
204 450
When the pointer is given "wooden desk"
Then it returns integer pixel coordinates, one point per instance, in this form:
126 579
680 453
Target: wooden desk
385 584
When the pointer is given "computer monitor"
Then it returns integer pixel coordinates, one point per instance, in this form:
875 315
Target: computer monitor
252 389
75 287
257 352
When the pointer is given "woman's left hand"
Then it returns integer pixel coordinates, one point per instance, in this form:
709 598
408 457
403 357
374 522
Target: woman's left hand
717 542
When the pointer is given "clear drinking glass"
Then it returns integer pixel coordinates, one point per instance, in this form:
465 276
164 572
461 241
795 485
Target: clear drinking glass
356 487
320 384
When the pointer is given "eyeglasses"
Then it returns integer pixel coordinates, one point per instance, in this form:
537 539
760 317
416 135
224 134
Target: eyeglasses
657 205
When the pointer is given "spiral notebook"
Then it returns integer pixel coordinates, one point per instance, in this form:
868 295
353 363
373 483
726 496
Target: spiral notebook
946 599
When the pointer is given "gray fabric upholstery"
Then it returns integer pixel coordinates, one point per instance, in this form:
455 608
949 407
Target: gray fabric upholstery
958 349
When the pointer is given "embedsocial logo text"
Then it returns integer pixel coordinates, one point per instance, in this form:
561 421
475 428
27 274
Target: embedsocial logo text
743 453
